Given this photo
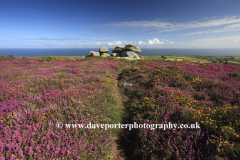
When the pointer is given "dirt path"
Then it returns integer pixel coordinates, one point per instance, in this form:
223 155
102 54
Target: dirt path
123 147
117 151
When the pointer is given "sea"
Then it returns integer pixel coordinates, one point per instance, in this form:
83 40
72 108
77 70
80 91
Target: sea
145 52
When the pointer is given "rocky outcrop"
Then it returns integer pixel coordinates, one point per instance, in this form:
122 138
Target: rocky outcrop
128 47
103 50
127 52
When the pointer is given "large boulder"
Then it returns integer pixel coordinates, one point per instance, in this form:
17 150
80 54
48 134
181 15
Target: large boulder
115 54
118 49
103 50
128 47
105 55
131 45
93 53
129 54
134 49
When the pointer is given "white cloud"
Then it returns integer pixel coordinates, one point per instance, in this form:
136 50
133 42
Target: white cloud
99 43
233 27
149 42
156 41
163 26
118 42
215 42
110 44
141 43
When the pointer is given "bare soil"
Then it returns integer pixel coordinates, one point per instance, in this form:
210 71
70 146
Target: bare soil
125 143
117 151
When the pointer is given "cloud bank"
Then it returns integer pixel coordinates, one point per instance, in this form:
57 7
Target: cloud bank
215 42
232 23
149 42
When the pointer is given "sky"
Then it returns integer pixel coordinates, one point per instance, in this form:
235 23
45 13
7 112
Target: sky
111 23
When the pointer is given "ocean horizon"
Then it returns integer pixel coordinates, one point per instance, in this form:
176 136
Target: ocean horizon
34 52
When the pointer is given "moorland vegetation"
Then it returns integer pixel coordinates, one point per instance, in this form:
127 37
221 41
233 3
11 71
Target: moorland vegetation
37 93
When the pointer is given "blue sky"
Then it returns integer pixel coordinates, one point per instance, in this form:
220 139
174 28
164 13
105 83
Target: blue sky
109 23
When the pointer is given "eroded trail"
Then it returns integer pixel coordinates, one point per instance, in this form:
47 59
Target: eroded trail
117 150
126 142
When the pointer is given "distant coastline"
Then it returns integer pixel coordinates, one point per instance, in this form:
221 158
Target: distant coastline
19 52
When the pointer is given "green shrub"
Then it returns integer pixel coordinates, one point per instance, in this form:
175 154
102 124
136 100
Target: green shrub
125 61
11 56
220 61
111 58
79 58
46 59
163 57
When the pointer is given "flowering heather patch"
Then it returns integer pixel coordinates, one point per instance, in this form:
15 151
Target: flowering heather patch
185 93
35 95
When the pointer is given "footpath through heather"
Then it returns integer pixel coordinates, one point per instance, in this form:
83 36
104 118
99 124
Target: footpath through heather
125 142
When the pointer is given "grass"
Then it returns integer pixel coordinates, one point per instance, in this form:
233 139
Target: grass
201 59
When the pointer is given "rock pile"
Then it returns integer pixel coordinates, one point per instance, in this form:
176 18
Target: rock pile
127 52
